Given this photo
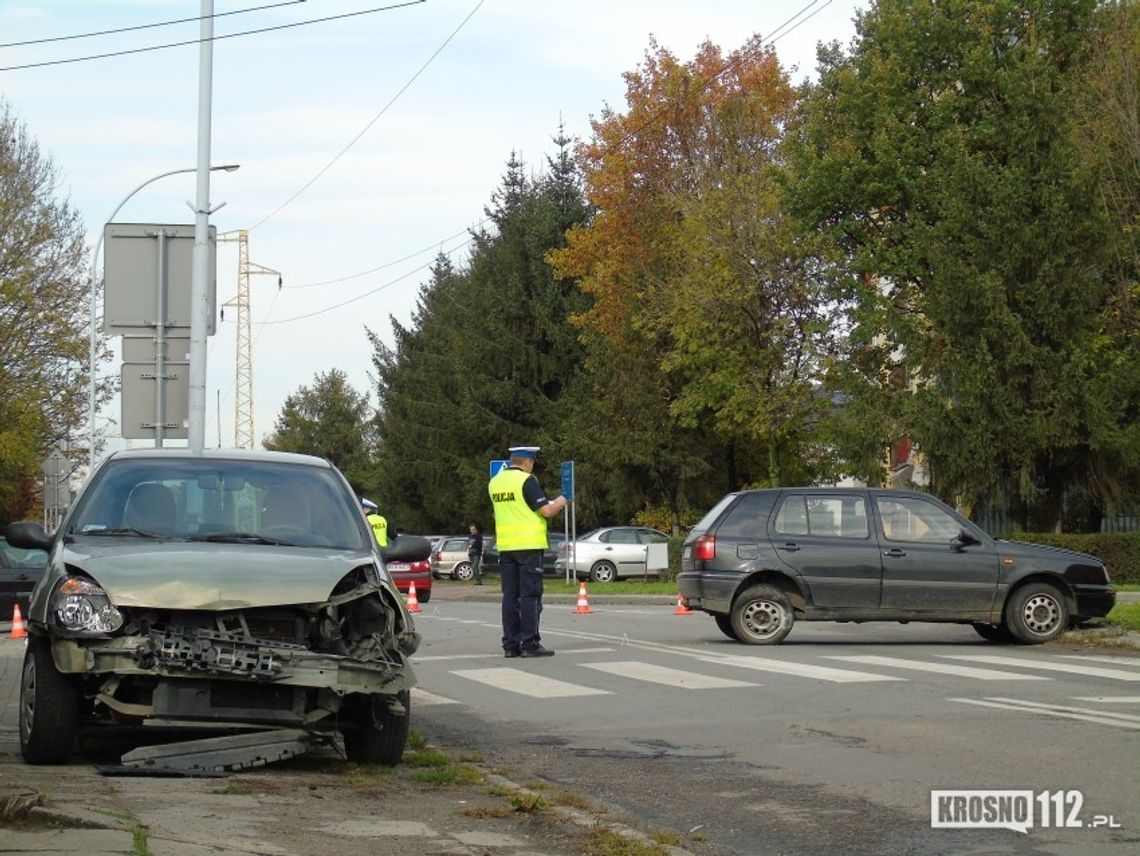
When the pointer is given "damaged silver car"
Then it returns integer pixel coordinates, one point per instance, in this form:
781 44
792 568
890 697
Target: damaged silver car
220 589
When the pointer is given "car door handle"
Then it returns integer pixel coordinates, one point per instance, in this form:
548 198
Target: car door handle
790 546
894 553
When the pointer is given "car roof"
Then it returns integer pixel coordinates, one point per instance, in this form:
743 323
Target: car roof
258 455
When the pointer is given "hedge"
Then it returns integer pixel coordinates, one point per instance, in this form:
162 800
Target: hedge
1120 552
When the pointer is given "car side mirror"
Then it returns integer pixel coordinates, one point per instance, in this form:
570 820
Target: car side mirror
27 536
963 540
406 548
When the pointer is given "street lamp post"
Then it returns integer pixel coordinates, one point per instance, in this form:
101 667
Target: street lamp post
92 280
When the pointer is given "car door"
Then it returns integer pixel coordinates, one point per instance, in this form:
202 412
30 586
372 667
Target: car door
651 536
620 546
826 539
924 568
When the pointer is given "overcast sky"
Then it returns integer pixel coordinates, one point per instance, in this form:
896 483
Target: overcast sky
288 105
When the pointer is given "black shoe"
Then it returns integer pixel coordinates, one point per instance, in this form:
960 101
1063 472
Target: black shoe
537 651
512 652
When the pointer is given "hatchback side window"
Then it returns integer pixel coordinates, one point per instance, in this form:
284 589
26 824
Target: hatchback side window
748 518
913 519
621 536
649 537
792 519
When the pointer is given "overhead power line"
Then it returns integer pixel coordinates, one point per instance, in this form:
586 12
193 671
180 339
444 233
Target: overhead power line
49 39
392 263
372 121
215 38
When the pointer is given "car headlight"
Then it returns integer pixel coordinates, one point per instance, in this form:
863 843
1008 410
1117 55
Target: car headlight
80 606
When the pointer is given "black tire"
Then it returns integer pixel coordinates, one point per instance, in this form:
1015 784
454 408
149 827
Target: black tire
1036 613
603 572
998 634
463 571
378 736
425 597
724 622
762 615
49 707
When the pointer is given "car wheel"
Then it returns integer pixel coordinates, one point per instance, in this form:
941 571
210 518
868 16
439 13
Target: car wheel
603 572
991 633
724 622
49 707
425 597
379 734
1036 613
762 615
463 571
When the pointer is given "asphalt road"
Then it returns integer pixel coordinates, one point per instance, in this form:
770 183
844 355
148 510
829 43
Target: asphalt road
833 740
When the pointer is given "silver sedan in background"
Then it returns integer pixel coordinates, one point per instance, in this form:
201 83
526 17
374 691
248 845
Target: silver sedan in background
610 553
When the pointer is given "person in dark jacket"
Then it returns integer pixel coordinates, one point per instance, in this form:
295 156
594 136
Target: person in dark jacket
475 552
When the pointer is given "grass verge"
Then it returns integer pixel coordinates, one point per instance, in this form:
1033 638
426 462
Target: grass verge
1126 615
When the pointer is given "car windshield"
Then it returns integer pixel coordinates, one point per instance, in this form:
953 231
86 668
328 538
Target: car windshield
232 501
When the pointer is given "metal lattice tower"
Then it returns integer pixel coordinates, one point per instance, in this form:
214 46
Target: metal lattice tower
243 377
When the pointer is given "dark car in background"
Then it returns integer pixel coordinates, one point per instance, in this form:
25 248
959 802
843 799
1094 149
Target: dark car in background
555 540
20 570
761 560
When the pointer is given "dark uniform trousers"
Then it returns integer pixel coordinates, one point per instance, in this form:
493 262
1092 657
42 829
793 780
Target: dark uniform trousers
521 579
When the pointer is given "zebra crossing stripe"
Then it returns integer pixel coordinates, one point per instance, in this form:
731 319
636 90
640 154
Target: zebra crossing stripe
800 670
527 683
941 668
1023 708
638 671
425 699
1115 659
1047 665
1108 699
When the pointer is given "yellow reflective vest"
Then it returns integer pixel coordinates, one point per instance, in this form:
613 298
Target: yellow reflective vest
517 527
379 528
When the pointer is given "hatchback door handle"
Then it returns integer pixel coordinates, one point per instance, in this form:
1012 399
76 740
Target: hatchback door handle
790 546
894 553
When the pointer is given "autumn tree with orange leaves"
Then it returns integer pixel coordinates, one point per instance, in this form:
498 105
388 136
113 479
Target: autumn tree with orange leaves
709 314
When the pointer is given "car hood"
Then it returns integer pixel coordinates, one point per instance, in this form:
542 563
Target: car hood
1027 550
193 575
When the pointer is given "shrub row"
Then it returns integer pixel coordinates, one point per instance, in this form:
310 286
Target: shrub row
1119 551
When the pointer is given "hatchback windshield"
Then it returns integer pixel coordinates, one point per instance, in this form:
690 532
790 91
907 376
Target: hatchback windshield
220 500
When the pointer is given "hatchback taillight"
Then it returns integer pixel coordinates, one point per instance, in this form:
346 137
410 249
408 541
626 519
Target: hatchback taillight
705 548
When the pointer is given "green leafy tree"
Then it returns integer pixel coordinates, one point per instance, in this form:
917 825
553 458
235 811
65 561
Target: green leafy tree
331 420
938 155
44 319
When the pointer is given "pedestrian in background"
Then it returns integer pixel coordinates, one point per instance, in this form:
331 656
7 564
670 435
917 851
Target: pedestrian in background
378 523
475 552
521 511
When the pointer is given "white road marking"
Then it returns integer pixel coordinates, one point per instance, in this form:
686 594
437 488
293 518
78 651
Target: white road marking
1111 714
426 699
1115 659
498 655
639 671
1023 708
1047 665
1108 699
941 668
528 683
800 670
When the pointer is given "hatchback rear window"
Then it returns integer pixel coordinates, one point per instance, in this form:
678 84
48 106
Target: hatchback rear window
748 518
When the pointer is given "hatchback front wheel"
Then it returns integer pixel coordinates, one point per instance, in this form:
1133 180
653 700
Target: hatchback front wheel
1037 613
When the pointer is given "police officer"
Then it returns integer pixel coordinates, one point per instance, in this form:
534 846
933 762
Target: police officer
378 523
521 511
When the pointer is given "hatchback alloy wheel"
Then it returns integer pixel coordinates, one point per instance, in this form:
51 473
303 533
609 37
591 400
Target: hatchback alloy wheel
762 615
1037 613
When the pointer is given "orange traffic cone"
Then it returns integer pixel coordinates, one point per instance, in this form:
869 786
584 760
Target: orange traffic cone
681 609
413 601
19 629
583 602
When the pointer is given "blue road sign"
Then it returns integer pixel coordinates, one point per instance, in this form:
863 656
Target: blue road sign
496 466
568 480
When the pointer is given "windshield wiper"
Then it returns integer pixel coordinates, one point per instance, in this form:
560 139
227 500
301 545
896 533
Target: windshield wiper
241 538
125 530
